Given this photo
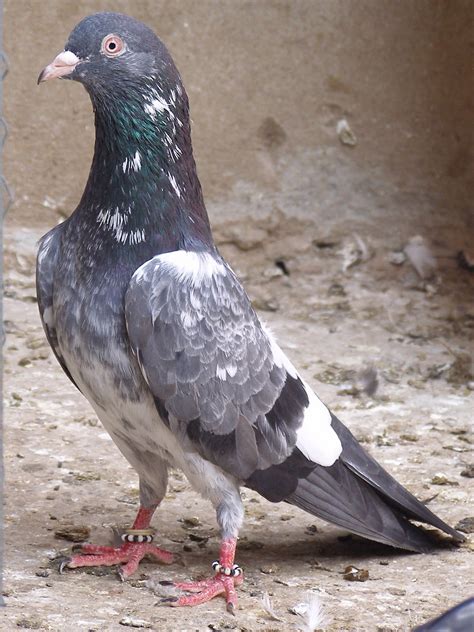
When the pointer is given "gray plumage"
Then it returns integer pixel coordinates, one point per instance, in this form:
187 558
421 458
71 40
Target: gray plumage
209 363
156 331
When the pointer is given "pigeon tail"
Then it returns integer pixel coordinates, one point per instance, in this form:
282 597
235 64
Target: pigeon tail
357 494
337 495
367 468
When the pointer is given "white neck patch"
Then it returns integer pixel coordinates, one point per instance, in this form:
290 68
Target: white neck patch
155 104
132 163
115 221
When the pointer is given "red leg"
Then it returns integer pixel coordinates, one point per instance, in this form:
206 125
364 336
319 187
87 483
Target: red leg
129 554
221 584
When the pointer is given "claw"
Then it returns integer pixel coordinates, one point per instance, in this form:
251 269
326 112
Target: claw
63 563
168 599
227 576
129 555
77 548
166 582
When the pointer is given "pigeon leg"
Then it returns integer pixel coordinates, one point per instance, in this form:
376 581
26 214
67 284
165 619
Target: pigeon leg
228 576
129 554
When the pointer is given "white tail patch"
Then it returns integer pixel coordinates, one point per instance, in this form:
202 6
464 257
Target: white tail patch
316 437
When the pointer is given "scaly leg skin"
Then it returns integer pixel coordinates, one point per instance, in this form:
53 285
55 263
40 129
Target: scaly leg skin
228 576
129 554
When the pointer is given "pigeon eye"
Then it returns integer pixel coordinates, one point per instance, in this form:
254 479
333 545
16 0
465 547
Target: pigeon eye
112 46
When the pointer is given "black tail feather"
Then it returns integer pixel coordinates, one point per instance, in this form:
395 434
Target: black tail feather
363 465
357 494
338 496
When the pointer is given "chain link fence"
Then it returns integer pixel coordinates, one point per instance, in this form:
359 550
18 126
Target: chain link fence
5 203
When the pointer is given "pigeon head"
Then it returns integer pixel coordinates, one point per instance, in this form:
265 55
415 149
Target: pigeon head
125 68
143 163
106 49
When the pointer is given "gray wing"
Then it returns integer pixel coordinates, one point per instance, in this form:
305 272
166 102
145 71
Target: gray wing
45 268
212 368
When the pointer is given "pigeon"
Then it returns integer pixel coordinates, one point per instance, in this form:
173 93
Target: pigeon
459 618
153 327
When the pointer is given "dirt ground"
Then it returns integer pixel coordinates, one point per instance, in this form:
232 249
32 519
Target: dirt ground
269 84
62 469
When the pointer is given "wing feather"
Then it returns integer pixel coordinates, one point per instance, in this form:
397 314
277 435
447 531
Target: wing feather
219 379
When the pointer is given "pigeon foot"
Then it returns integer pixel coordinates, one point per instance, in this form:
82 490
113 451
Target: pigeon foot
129 555
137 542
227 576
204 591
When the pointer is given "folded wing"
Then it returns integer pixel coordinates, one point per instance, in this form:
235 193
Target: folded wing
218 378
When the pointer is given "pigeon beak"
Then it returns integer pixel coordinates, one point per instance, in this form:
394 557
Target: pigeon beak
61 66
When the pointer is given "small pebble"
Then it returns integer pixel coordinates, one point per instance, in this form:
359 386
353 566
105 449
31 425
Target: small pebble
399 592
134 622
29 623
191 521
468 472
286 517
442 479
73 533
409 437
269 570
354 574
299 608
397 258
466 525
198 538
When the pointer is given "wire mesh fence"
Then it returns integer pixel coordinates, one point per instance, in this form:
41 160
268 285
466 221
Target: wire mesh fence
5 203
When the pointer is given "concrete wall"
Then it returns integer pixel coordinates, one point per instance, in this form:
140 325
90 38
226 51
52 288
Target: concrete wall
268 82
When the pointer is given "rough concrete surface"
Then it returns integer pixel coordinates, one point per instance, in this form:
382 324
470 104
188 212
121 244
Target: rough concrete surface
62 468
315 226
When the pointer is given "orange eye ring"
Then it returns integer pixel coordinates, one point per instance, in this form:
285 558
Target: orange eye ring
112 45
